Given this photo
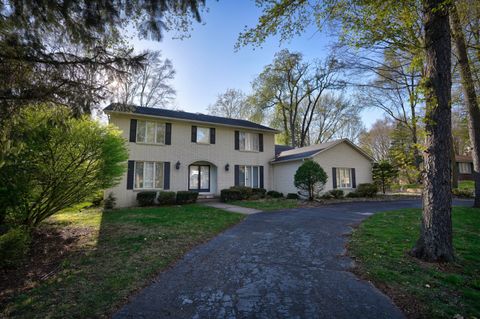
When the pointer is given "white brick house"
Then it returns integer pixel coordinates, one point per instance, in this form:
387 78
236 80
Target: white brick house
175 150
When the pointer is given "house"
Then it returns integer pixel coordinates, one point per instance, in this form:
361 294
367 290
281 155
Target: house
465 167
345 164
175 150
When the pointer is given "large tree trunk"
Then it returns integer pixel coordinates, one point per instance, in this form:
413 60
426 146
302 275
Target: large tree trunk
470 98
435 242
454 167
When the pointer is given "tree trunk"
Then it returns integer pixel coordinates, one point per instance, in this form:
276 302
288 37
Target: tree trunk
454 167
470 98
435 242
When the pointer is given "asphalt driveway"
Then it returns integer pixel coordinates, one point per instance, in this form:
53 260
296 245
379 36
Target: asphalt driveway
285 264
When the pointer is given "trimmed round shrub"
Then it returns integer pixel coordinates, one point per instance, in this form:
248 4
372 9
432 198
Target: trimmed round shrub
464 193
167 198
109 202
274 194
246 192
367 190
146 198
14 245
292 196
230 194
336 193
352 195
186 197
258 193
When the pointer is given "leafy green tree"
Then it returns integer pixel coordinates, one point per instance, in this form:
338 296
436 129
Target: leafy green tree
402 154
62 161
383 174
310 177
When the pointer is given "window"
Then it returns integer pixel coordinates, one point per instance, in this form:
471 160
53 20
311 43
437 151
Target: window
344 177
203 135
249 141
249 176
149 175
150 132
464 168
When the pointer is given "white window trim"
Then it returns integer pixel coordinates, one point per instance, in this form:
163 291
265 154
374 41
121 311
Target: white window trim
245 133
144 169
251 173
208 133
156 128
337 171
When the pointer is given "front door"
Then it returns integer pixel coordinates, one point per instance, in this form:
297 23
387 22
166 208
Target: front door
199 178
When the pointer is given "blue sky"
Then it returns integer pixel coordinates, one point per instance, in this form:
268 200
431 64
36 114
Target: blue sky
207 64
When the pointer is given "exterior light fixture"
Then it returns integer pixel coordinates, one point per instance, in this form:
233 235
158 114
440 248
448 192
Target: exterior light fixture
177 165
227 167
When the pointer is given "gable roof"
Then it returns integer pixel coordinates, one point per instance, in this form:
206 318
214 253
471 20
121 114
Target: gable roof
281 148
185 116
312 150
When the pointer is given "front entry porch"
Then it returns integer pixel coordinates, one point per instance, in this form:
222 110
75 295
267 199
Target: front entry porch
202 178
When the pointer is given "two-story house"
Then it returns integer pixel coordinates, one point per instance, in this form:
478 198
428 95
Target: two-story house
175 150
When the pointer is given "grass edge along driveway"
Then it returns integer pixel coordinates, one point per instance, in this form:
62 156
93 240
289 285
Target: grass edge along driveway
380 244
123 251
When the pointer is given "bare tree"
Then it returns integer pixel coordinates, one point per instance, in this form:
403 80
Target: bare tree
377 140
232 104
150 86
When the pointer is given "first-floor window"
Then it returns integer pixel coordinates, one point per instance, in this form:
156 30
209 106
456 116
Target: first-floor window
249 176
344 177
464 168
149 175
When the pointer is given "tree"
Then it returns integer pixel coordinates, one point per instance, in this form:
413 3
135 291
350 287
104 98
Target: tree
310 177
148 86
63 160
402 154
377 140
292 88
383 174
232 104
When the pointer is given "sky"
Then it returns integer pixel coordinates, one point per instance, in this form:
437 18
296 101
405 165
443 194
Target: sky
207 64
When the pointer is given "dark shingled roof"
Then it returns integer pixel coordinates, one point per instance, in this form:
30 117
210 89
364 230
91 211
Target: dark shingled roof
185 116
281 148
295 156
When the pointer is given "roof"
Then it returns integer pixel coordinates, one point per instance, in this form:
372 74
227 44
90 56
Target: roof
312 150
463 158
185 116
282 148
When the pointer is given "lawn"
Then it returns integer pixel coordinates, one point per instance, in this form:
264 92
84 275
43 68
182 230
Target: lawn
466 185
268 203
422 290
117 253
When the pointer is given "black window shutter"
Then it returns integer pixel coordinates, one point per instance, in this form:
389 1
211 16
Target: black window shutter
354 179
334 177
473 170
261 176
130 171
194 134
237 175
260 142
168 133
212 135
133 130
166 175
237 140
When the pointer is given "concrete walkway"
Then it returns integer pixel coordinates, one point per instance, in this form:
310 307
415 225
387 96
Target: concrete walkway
232 208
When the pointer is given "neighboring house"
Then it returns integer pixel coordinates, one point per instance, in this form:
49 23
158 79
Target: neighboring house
345 164
175 150
465 167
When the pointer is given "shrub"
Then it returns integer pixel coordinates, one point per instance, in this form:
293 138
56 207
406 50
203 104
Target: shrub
352 195
230 194
14 245
186 197
292 196
367 190
167 198
310 177
146 198
109 202
465 193
327 195
246 192
97 199
383 174
274 194
258 193
336 193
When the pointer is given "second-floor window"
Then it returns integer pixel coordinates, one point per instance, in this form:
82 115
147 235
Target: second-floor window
249 141
203 135
150 132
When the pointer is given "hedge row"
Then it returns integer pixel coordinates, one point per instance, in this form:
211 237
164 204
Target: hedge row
243 192
166 198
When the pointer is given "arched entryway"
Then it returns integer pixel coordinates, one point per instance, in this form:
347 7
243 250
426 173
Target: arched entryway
202 177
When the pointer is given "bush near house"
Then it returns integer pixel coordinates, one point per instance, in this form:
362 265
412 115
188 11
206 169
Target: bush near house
310 177
241 193
463 193
227 195
146 198
186 197
258 193
167 198
292 196
367 190
274 194
337 193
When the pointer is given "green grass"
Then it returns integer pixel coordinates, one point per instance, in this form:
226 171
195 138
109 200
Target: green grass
381 243
466 185
125 249
268 203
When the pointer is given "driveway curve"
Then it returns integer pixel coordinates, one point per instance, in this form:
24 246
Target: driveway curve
283 264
